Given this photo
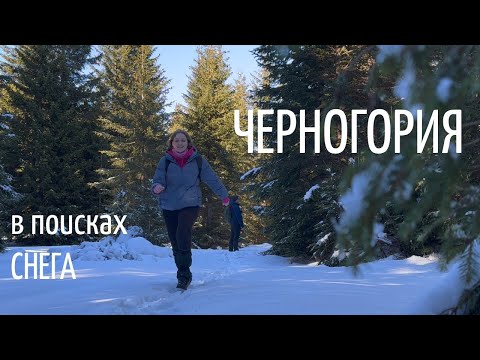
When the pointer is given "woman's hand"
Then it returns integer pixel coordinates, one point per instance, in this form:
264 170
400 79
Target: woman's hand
158 189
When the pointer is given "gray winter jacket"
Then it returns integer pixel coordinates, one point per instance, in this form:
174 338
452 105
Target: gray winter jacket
182 186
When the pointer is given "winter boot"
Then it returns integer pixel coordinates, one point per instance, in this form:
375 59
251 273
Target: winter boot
183 283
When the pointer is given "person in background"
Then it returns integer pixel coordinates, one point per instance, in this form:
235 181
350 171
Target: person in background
177 184
236 223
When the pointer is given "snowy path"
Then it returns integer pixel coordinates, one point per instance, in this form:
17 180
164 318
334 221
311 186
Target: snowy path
165 298
243 282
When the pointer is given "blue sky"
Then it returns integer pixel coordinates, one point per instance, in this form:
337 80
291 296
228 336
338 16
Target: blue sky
176 60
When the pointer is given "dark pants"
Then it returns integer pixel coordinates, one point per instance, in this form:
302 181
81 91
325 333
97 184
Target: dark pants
179 227
234 236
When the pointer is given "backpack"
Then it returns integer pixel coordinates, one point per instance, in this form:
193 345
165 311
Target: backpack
227 213
199 164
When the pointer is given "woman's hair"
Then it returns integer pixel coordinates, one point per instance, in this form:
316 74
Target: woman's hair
175 133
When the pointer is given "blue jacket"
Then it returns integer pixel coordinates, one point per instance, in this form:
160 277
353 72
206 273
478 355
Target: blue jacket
237 217
182 185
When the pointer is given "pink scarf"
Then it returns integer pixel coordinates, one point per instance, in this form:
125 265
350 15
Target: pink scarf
182 159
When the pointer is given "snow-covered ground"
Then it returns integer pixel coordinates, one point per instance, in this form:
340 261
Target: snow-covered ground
131 276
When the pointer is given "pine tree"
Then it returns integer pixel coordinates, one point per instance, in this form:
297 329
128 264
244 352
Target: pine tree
438 193
292 183
237 146
134 124
255 219
177 118
208 117
245 162
53 154
8 196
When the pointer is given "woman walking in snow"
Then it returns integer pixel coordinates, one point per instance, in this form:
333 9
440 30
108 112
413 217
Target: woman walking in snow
177 184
